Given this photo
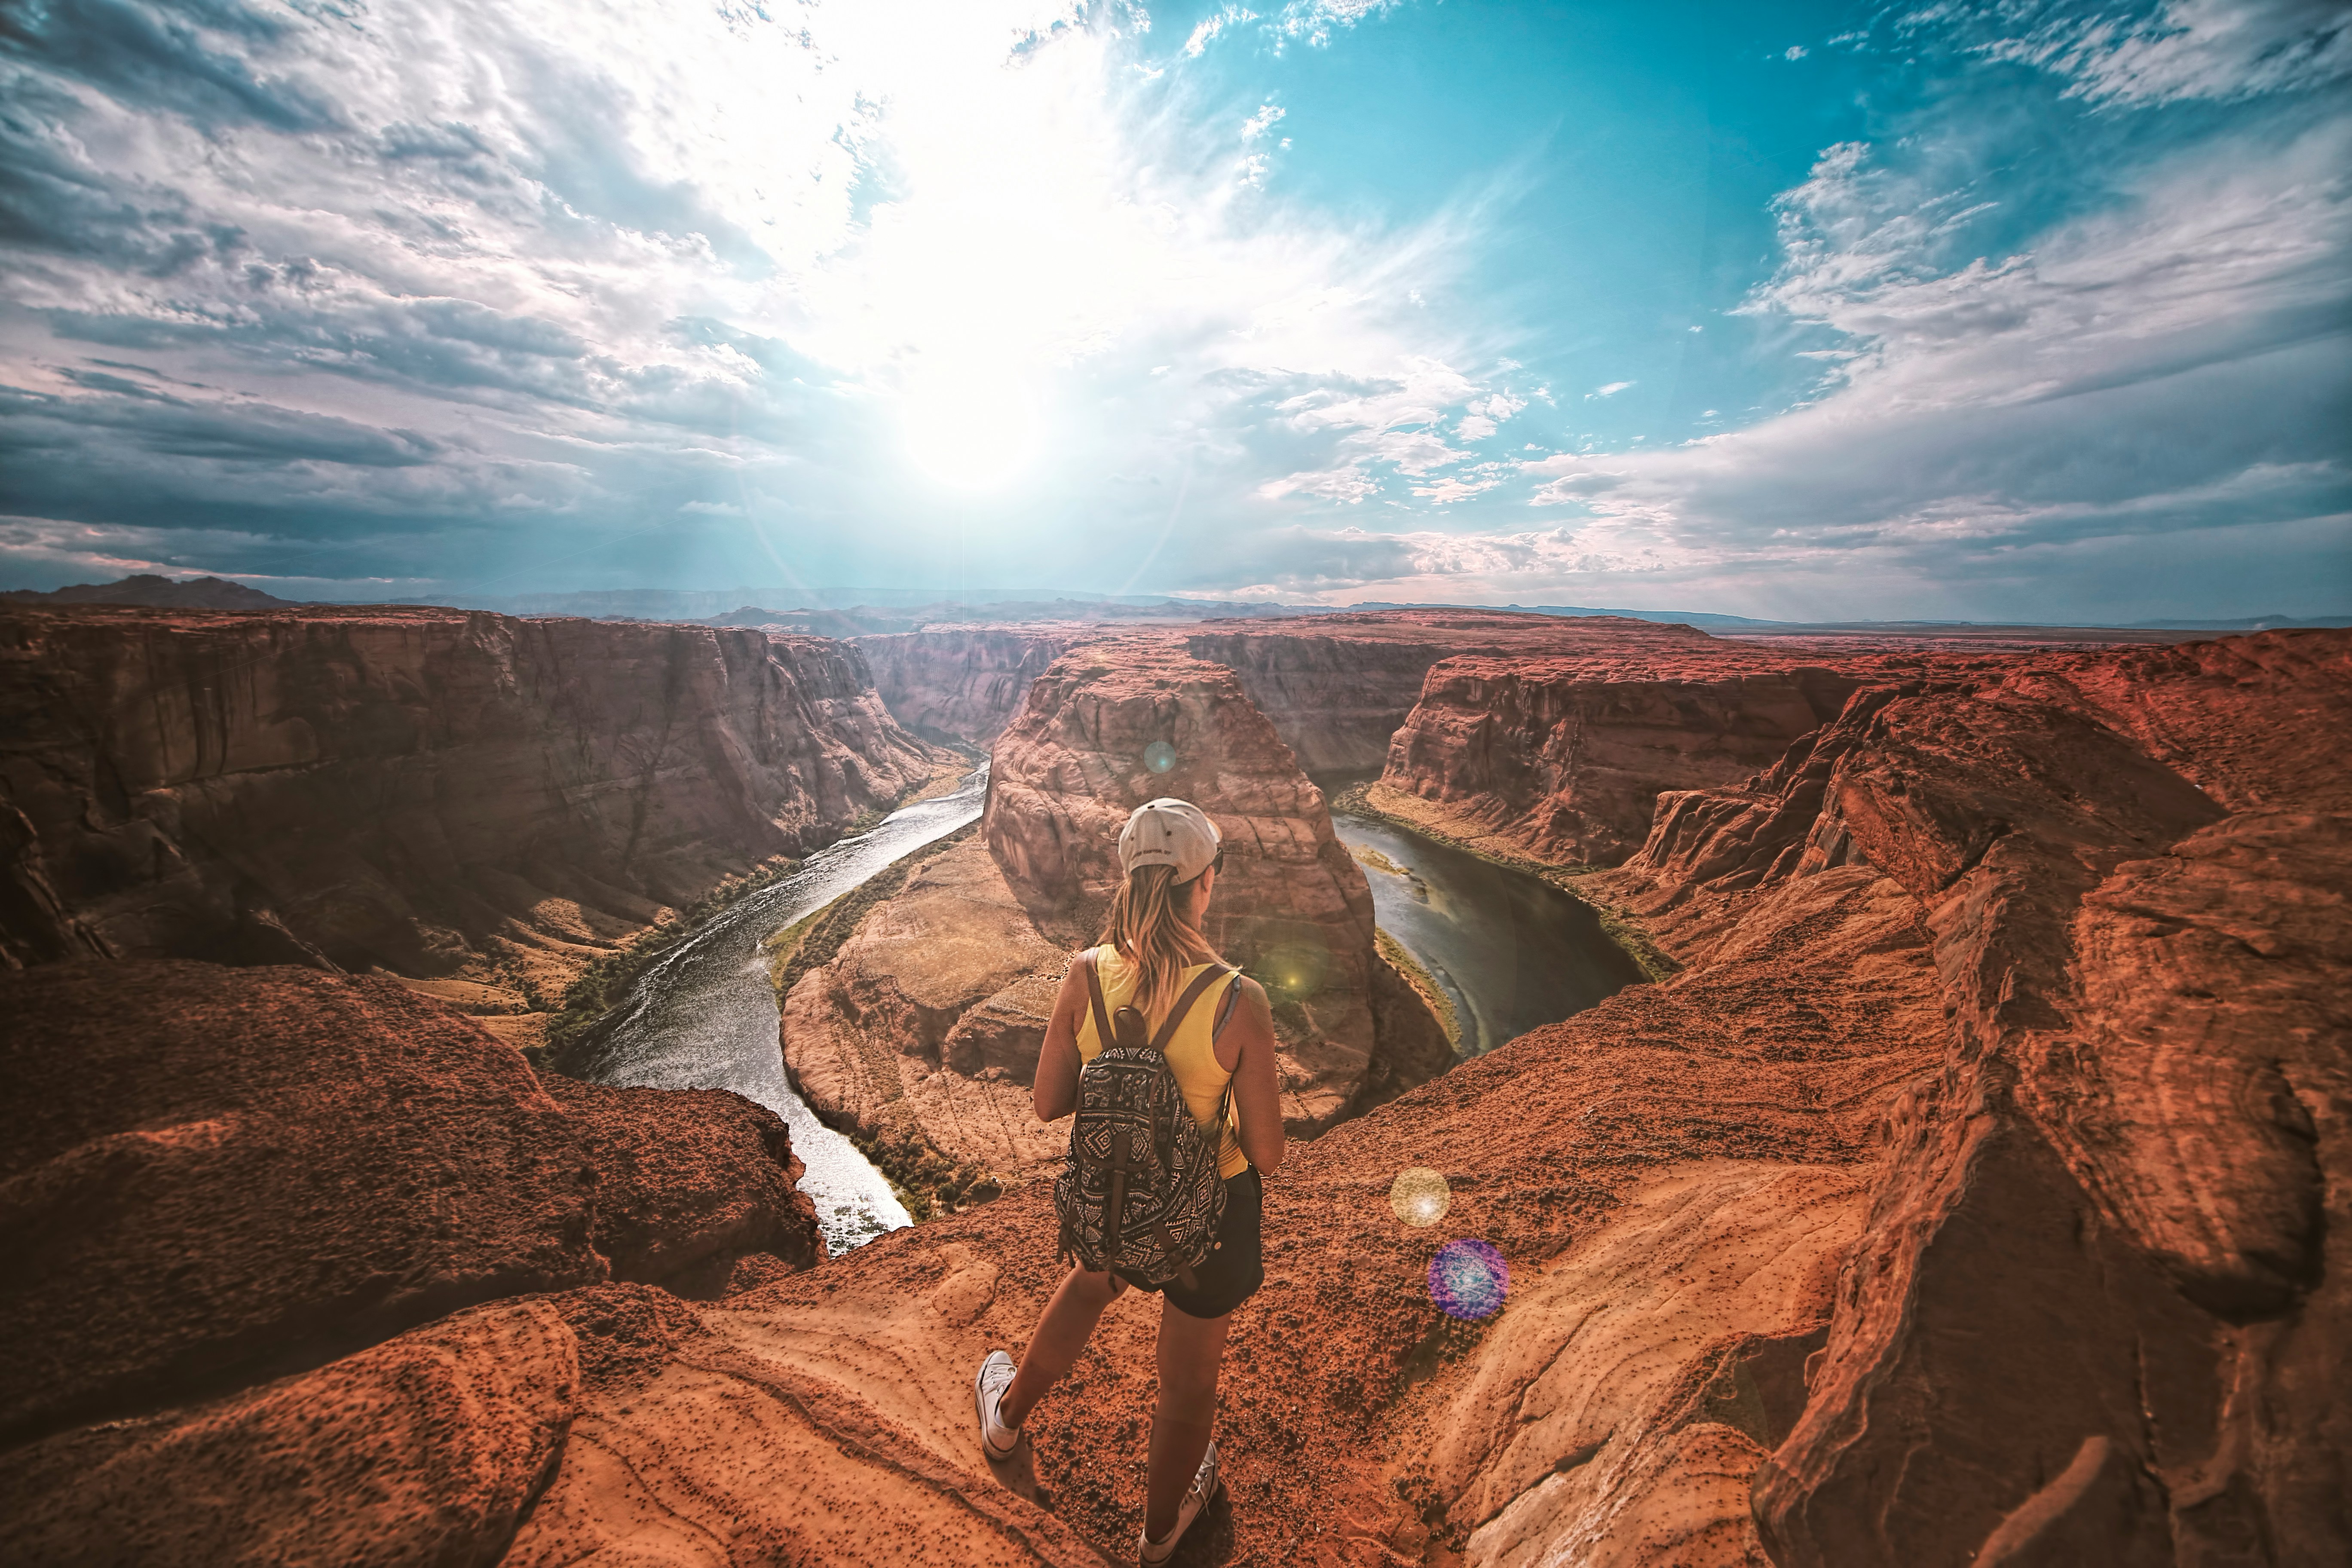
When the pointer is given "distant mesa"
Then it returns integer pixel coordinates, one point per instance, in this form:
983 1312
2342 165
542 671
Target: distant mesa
158 593
869 612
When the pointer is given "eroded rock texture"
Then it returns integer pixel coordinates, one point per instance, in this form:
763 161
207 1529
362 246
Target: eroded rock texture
927 1022
426 1448
1673 1177
1336 687
432 792
2128 1169
1561 757
1339 687
1291 905
963 684
1973 1194
212 1175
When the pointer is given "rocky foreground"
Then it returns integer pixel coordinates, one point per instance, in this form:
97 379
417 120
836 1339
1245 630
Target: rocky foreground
1974 1193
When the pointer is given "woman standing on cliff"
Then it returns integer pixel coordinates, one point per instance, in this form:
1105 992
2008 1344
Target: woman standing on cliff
1151 952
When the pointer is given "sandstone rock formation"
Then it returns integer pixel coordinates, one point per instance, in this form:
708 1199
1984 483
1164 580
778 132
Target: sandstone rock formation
1943 1209
426 1448
1338 687
922 1028
963 684
212 1175
2127 1167
1291 907
434 793
1673 1177
1973 1194
1560 757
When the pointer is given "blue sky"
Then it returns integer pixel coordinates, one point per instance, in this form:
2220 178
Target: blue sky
2013 311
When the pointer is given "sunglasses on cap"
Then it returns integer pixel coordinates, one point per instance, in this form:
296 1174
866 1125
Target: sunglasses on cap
1216 863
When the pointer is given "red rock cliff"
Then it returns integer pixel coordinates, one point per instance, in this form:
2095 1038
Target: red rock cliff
1337 687
216 1175
2101 1281
424 790
1560 758
963 684
1292 906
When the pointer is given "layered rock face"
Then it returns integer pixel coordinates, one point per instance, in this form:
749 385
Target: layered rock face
963 684
219 1177
1114 725
1967 1196
431 792
2127 1169
923 1028
1335 687
1560 758
1338 687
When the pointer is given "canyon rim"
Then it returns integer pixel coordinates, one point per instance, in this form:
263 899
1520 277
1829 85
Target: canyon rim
1970 1189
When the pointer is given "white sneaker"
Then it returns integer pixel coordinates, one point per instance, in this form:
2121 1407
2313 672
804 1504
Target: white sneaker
987 1385
1197 1497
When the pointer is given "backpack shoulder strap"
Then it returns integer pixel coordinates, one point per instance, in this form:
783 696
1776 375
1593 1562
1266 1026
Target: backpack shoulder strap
1226 1008
1103 1037
1201 982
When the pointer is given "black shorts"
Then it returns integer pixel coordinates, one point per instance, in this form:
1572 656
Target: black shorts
1235 1268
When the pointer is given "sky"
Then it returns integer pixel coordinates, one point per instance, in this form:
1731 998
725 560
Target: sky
2007 311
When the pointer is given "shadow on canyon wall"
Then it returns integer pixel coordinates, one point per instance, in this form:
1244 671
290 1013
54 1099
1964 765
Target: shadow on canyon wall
1972 1193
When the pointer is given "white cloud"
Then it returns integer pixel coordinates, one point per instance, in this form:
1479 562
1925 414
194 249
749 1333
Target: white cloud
2167 365
1205 31
2192 50
595 260
1316 20
1612 390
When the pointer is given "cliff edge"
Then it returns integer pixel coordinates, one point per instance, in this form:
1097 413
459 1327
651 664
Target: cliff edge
439 795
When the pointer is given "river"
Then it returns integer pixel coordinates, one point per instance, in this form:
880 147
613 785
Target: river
1509 950
704 1015
1512 952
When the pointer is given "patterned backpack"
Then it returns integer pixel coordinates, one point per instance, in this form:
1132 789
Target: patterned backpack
1142 1193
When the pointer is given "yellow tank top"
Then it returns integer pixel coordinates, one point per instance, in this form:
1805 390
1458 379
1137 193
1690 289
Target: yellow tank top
1191 1054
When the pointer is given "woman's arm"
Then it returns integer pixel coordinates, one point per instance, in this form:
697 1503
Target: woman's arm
1257 1087
1055 1091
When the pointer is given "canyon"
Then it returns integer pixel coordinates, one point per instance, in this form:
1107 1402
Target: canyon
1971 1191
921 1028
478 804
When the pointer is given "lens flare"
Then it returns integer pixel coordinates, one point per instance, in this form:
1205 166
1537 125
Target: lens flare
1160 756
1293 970
1420 1196
1468 1279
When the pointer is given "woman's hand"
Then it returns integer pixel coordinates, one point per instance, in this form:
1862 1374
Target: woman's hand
1054 1088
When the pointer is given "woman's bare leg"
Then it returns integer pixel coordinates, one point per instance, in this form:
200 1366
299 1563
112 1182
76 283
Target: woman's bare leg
1061 1334
1192 1351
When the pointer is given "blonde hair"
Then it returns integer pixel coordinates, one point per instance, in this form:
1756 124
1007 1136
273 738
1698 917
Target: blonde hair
1148 927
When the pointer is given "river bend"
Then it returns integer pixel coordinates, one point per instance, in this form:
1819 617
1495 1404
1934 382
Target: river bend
704 1015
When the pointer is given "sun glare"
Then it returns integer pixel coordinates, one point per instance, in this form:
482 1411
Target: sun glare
969 431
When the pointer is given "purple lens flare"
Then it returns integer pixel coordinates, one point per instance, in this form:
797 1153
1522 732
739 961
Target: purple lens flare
1468 1279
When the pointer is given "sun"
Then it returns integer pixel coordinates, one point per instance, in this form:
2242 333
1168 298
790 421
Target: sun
972 431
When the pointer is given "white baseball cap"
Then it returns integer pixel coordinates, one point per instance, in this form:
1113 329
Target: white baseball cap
1168 831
